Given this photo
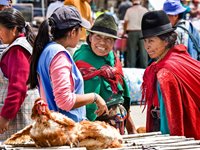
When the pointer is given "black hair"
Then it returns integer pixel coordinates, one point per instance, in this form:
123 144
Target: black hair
181 16
169 37
11 18
47 32
88 39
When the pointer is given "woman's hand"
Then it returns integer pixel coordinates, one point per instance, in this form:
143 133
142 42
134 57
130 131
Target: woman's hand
101 104
3 125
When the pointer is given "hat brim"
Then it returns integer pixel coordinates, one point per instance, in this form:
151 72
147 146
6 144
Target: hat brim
104 34
181 10
4 3
85 24
156 34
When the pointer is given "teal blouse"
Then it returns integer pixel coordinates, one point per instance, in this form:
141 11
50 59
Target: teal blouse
163 117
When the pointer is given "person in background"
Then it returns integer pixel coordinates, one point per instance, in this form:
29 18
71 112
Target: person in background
99 12
186 4
15 101
195 14
4 4
102 74
53 6
175 12
132 26
171 83
83 6
195 10
53 69
124 5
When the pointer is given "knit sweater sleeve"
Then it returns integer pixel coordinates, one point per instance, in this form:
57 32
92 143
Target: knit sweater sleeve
15 66
62 81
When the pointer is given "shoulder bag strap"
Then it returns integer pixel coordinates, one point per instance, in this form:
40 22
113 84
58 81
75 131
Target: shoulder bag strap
193 40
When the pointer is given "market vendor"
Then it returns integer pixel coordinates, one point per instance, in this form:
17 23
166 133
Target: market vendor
53 69
102 74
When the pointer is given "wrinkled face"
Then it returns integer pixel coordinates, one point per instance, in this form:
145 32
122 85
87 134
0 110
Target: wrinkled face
101 45
155 47
6 35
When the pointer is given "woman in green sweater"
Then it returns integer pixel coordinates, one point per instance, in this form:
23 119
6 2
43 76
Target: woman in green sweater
102 74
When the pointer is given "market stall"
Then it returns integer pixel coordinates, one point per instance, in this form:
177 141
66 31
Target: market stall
144 141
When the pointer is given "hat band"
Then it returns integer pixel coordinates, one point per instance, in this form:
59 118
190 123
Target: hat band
105 30
153 31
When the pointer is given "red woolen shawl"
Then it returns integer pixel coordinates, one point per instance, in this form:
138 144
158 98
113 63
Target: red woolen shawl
183 98
111 74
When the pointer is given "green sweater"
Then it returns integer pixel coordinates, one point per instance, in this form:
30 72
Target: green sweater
99 84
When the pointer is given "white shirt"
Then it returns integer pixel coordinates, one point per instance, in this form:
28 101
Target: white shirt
134 17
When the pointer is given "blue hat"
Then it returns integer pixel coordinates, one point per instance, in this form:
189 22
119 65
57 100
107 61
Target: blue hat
173 7
4 2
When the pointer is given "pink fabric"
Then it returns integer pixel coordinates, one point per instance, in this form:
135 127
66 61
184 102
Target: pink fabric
42 94
15 66
62 80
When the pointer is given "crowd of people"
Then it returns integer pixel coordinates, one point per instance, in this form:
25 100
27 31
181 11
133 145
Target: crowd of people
89 83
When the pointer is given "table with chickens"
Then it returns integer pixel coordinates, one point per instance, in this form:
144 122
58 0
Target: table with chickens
53 130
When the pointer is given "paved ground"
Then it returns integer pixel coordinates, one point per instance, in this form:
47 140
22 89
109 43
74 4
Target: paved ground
138 116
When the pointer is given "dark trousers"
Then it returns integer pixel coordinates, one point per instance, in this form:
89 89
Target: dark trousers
136 56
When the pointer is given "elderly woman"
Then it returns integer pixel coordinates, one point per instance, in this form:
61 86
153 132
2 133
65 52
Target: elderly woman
102 73
171 83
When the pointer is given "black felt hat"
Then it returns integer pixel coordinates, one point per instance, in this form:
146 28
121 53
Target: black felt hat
155 23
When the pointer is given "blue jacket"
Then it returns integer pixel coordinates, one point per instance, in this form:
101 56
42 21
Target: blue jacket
43 68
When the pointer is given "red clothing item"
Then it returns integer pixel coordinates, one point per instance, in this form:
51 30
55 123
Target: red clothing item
112 74
179 77
15 66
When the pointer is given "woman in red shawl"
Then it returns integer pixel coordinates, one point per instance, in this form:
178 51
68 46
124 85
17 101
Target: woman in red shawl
172 82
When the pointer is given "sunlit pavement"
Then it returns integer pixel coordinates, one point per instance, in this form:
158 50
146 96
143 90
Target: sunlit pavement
138 116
